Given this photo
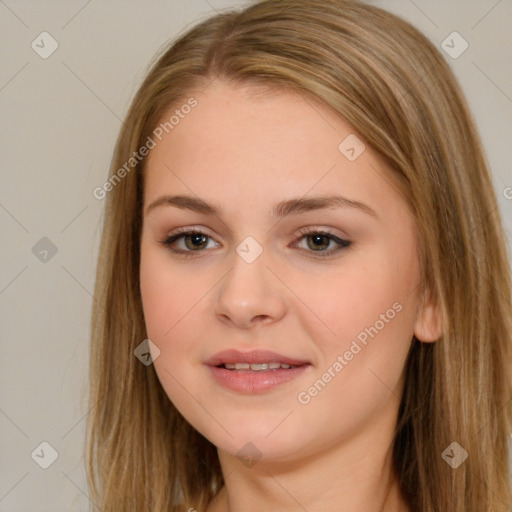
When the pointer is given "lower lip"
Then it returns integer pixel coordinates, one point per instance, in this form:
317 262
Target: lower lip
255 382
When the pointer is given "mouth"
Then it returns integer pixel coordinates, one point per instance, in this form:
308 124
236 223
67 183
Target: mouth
255 371
256 367
255 360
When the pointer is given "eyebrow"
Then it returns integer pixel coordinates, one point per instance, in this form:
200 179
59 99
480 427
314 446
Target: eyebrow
287 207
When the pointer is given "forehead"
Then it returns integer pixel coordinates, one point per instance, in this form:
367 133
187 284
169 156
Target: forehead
263 146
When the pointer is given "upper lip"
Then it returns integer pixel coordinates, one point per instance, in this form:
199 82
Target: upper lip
252 356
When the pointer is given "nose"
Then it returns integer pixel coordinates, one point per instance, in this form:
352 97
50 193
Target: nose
250 294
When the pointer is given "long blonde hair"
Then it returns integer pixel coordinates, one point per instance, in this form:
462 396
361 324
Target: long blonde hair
394 87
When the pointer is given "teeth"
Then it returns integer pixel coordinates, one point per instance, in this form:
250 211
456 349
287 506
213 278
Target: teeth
257 367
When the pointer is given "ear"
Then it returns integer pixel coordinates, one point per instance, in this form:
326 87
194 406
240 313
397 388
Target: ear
429 321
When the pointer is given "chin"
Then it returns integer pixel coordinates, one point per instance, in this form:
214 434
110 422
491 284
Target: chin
253 443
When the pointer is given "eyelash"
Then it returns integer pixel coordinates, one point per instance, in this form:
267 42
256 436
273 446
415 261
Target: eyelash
342 244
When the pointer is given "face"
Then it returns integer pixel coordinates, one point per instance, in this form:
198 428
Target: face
331 287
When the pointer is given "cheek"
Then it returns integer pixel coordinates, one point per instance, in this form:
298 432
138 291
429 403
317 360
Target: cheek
173 303
166 294
165 305
362 364
368 319
353 301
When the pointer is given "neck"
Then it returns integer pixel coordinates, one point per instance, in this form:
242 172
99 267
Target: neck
357 474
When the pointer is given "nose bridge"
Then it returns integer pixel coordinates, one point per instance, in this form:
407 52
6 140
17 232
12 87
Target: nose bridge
247 276
246 291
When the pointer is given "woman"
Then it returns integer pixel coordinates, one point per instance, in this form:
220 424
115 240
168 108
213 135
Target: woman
342 338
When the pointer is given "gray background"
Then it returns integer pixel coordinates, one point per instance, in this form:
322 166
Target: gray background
60 118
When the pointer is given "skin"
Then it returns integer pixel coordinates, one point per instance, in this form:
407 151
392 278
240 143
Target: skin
245 152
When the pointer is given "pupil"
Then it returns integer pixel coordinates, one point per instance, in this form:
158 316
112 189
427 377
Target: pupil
197 238
318 238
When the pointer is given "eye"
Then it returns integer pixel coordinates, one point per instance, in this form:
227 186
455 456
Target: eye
196 240
319 239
